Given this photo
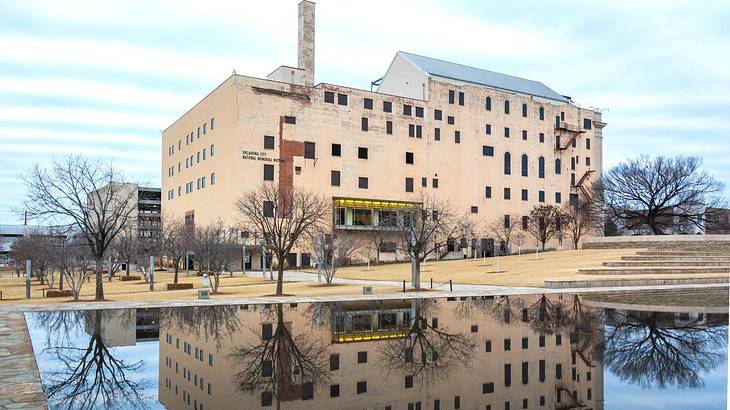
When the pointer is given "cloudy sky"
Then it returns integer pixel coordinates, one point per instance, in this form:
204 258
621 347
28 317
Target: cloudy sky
103 78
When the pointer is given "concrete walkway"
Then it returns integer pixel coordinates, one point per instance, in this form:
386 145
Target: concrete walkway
20 383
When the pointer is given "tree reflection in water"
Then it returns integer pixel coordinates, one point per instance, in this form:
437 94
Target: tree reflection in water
655 349
280 364
426 353
90 376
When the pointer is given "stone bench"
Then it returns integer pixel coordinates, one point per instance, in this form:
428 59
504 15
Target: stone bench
179 286
59 293
129 278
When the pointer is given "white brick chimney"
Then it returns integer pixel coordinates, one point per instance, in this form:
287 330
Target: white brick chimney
305 45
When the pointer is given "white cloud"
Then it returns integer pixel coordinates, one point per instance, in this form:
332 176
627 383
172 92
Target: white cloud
82 116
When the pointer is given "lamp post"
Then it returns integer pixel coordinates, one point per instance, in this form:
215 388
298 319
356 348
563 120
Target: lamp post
187 263
243 259
152 273
27 279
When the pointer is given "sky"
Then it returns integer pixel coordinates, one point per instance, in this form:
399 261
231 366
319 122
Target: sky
103 78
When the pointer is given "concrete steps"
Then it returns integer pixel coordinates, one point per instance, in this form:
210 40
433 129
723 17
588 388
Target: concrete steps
679 258
667 263
680 253
654 270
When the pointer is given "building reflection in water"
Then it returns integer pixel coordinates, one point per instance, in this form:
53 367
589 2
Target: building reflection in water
504 352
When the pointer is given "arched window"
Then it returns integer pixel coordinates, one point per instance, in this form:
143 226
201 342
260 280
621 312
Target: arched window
524 110
507 163
506 106
557 166
541 167
542 113
489 104
524 165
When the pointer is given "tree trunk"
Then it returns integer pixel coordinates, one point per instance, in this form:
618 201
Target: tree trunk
60 279
280 281
99 281
417 275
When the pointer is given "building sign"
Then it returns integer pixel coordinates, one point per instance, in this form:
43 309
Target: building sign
258 156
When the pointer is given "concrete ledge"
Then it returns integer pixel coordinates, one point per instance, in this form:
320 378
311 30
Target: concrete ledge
702 242
667 263
566 284
654 270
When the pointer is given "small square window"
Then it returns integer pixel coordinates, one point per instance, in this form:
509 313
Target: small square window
409 158
342 99
487 151
474 210
419 112
362 182
362 387
268 142
362 357
437 115
335 178
487 388
329 97
266 399
435 183
587 123
309 150
407 109
367 103
336 150
387 106
474 328
335 390
268 172
362 153
290 120
450 120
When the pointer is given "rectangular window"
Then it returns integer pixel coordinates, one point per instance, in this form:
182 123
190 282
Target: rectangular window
558 339
409 184
212 150
205 128
488 346
487 388
588 161
205 152
450 120
367 103
309 149
268 210
587 123
307 391
507 342
524 195
334 361
362 182
558 199
524 135
457 402
558 371
362 357
588 143
489 129
335 390
362 387
335 178
290 120
451 96
541 370
268 172
487 192
267 330
487 151
506 132
364 124
525 373
474 210
419 131
212 178
387 106
525 342
507 193
362 153
438 115
419 112
507 374
411 130
408 382
336 150
525 222
424 182
457 137
389 127
542 137
409 158
198 132
461 98
212 124
342 99
437 134
406 109
435 183
329 97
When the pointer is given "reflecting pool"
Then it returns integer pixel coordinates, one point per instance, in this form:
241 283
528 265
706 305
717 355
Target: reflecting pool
559 351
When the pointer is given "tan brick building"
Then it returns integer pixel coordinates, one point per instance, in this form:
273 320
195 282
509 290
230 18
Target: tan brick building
490 143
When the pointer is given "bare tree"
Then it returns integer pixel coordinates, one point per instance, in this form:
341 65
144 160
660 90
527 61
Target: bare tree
279 362
87 195
578 220
504 228
175 241
331 251
427 227
218 322
656 192
73 256
126 247
35 246
283 216
216 249
545 223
